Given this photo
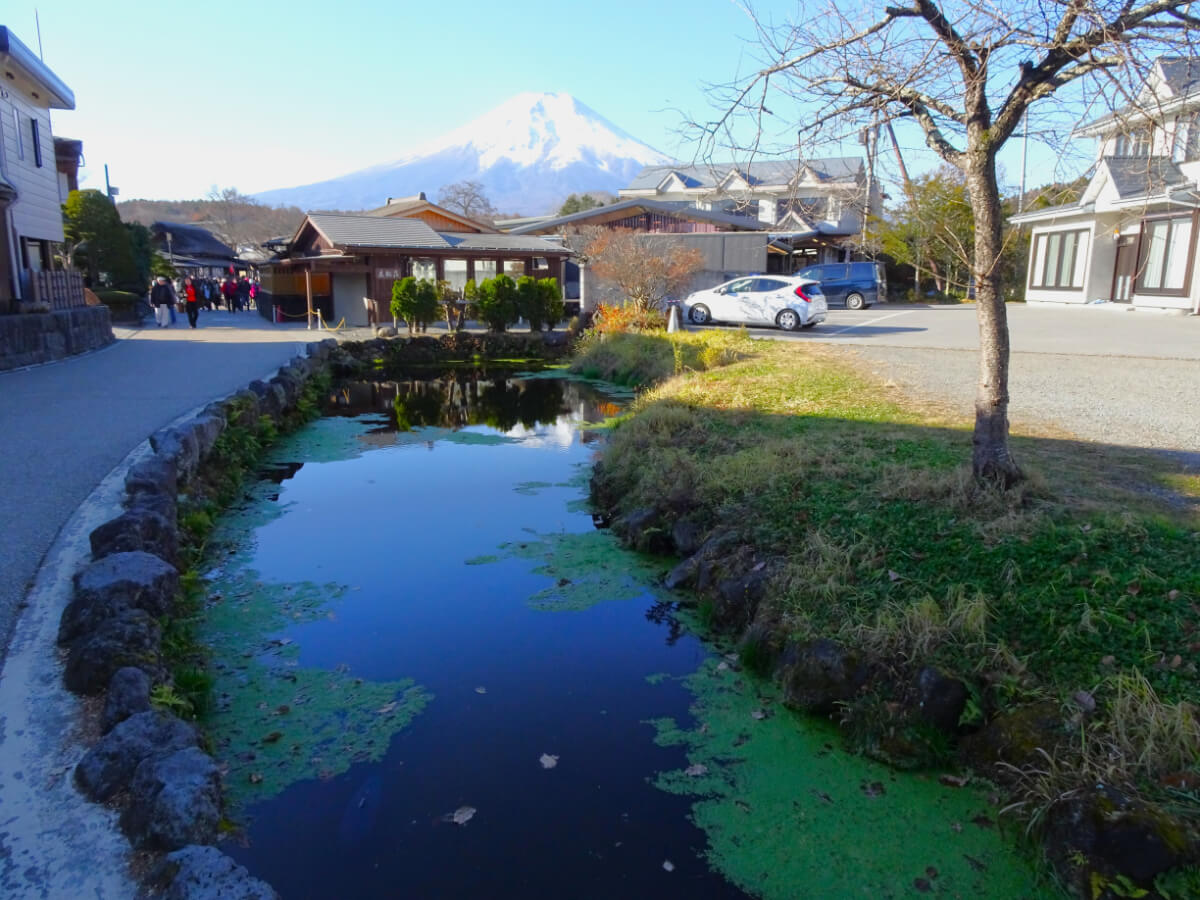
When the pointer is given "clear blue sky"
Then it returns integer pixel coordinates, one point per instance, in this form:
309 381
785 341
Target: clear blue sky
179 97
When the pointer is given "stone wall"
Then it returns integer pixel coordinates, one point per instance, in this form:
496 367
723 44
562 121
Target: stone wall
32 338
148 760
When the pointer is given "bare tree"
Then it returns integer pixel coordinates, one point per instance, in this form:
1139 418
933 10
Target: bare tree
468 198
646 268
965 72
232 216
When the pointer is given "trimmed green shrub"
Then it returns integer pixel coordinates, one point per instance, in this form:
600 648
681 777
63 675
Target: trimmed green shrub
497 302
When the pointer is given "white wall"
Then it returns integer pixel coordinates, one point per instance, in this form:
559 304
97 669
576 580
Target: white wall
36 214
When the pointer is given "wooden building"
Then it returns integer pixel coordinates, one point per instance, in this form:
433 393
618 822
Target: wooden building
349 263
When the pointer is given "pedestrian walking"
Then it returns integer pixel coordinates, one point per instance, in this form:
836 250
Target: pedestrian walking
243 293
191 301
227 292
163 298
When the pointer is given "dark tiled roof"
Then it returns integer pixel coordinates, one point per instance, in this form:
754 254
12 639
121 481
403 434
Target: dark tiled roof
680 208
840 168
190 240
374 231
1182 76
501 242
1142 176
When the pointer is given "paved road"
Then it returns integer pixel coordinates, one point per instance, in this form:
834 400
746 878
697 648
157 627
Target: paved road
1101 373
65 425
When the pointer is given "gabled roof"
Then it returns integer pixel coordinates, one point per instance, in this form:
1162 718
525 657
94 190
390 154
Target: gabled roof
678 208
1142 176
32 74
1172 82
191 240
782 172
675 177
407 207
373 231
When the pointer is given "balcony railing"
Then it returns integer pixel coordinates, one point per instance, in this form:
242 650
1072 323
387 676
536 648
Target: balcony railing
59 290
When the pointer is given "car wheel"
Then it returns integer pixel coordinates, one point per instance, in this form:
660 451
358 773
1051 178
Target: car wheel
700 314
788 319
854 301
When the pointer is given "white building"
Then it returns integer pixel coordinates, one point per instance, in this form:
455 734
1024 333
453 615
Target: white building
819 205
1131 237
30 200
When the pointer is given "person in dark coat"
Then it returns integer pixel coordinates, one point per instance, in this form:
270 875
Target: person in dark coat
243 294
163 298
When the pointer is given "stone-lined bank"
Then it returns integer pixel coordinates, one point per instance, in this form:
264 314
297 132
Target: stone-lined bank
32 338
149 760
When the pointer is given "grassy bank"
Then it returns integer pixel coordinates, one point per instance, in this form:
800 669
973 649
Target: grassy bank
1072 602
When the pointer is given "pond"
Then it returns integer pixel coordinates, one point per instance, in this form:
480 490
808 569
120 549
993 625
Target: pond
436 678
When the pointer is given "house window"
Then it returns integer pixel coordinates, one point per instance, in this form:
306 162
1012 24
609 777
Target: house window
1059 259
1186 144
1165 255
16 116
1134 143
37 142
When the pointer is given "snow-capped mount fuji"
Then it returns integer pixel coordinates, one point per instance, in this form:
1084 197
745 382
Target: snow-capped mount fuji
529 153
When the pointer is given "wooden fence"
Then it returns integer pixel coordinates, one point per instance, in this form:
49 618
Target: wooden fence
62 290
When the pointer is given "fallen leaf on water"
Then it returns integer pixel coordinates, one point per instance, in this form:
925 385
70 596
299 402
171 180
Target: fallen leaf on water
956 827
386 708
462 815
548 761
953 780
255 778
272 737
481 690
695 771
668 865
283 710
758 714
722 666
874 789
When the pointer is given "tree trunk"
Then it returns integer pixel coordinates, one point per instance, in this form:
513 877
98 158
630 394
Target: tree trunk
991 459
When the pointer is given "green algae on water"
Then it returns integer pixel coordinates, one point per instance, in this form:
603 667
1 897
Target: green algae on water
788 813
275 722
530 488
586 569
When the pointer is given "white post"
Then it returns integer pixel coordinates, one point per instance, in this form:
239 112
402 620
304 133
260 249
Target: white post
308 295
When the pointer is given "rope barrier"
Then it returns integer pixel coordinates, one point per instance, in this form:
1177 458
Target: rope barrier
321 326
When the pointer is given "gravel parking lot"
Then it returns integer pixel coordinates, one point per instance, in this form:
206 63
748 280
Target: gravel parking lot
1100 373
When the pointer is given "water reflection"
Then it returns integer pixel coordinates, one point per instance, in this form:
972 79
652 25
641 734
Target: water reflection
463 398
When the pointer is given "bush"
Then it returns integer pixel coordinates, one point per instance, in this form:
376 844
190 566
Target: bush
628 318
553 307
122 305
497 302
416 302
529 301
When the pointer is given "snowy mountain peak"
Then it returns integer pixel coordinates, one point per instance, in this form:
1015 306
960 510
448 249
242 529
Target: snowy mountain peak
529 153
531 128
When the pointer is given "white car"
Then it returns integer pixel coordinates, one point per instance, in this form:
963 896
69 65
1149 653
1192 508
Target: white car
784 300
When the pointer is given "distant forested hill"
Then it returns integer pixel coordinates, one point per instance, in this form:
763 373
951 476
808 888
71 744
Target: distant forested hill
235 218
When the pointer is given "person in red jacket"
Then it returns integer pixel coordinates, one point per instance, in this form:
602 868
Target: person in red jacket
228 291
191 299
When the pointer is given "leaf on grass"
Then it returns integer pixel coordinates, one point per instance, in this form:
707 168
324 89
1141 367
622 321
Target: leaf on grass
893 575
954 780
1173 594
462 815
548 761
759 714
695 771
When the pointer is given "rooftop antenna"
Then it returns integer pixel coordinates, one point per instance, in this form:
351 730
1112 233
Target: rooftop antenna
38 21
